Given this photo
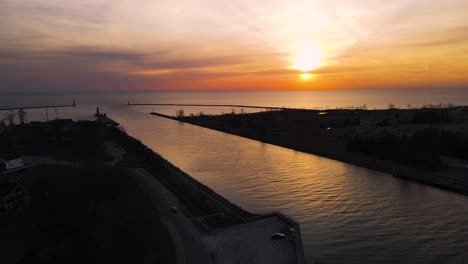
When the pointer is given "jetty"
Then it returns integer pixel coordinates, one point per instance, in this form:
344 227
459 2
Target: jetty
222 105
38 107
104 119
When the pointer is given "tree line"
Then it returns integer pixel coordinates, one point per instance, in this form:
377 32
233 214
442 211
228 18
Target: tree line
9 118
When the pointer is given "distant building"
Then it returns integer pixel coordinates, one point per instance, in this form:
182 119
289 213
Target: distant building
10 164
11 194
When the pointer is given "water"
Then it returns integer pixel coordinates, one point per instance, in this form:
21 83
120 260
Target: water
348 214
373 98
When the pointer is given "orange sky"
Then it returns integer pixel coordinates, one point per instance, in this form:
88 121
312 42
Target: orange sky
183 44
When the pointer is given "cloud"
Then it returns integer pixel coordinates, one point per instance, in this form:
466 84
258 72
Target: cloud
324 70
89 56
88 67
451 36
98 44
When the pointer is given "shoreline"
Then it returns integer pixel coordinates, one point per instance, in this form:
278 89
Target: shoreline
218 219
396 170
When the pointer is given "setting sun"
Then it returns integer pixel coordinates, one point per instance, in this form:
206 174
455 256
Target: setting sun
307 60
306 76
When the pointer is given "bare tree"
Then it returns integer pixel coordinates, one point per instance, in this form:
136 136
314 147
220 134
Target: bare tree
22 116
180 113
10 118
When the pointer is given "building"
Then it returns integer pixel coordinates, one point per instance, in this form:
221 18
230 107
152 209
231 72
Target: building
10 164
11 194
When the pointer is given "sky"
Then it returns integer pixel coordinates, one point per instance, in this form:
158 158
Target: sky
50 45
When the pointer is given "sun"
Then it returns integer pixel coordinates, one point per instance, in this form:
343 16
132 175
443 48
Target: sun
306 76
307 60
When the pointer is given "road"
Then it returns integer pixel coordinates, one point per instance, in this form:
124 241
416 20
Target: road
188 243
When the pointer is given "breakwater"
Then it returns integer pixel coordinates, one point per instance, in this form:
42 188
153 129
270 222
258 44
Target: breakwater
38 107
223 105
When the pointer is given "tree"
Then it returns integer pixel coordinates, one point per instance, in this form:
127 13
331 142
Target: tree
391 106
10 118
23 116
180 113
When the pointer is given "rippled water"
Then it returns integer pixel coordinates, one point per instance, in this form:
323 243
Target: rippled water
347 214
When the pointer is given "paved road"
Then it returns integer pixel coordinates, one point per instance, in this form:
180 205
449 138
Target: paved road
187 240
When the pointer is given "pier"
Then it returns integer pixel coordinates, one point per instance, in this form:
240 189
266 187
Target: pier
104 119
222 105
38 107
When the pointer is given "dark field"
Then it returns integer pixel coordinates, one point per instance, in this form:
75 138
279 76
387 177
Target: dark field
84 215
84 211
60 139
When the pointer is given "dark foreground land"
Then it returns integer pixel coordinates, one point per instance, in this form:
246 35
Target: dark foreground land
429 145
83 215
77 209
93 194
